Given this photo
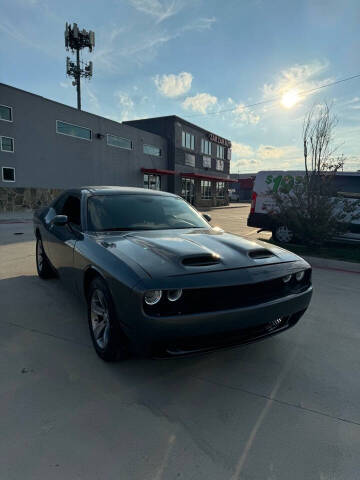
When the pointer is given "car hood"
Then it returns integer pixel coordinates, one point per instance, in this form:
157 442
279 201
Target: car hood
168 253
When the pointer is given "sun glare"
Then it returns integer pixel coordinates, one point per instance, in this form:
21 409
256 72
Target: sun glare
289 99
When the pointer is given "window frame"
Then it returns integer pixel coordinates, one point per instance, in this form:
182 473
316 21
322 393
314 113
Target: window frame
13 144
74 136
2 174
148 181
153 146
220 148
203 149
117 146
183 140
204 189
11 114
222 189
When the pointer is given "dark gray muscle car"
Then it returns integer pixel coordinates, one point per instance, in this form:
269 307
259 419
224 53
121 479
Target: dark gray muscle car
158 279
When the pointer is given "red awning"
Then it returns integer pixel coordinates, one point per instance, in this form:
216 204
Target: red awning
207 177
158 171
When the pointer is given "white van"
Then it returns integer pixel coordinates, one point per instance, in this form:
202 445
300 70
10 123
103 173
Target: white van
347 184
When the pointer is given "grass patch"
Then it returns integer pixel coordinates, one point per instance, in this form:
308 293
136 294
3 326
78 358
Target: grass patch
334 251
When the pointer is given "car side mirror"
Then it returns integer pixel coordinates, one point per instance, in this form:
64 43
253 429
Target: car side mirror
60 220
207 217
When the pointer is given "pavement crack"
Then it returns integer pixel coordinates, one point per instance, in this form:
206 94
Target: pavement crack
275 400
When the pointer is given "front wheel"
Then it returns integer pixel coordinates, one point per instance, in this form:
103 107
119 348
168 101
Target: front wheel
108 340
43 266
283 234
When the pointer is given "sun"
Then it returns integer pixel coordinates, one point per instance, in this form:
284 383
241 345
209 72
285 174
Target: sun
290 98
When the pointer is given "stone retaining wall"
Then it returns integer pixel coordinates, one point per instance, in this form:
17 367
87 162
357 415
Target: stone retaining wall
17 199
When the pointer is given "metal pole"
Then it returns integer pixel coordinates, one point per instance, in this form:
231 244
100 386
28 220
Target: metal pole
78 79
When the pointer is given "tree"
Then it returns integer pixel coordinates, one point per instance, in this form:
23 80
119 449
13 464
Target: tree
311 207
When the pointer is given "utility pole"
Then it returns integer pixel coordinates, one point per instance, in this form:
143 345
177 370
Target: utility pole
76 40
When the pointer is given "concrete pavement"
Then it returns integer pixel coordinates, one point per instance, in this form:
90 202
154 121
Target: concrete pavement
286 408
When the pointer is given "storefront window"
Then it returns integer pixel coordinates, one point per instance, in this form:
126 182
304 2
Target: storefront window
220 189
205 189
152 182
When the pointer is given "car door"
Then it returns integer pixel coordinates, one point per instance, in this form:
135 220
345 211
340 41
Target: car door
62 238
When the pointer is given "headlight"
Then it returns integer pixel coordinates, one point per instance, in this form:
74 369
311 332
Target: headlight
287 278
174 295
152 297
299 275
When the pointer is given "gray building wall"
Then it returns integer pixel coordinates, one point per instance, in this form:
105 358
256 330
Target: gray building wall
47 160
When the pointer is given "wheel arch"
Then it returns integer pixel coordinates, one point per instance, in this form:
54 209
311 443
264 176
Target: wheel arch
90 273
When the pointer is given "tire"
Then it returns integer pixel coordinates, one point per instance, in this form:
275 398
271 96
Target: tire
43 265
282 234
108 340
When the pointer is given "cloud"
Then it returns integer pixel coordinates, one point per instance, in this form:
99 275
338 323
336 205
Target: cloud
243 115
298 78
200 102
200 24
161 10
246 158
240 150
173 86
125 104
66 84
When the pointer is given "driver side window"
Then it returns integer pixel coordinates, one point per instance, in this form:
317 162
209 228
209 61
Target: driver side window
71 208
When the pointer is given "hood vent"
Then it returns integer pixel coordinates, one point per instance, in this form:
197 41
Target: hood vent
200 260
260 253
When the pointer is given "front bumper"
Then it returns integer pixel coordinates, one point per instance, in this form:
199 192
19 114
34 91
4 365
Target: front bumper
202 332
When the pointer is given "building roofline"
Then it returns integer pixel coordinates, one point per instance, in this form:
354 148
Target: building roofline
73 108
174 117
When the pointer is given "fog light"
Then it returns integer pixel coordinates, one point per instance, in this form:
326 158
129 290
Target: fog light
299 276
174 295
152 297
287 278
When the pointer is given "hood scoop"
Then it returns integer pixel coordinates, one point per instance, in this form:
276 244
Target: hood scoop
260 253
200 260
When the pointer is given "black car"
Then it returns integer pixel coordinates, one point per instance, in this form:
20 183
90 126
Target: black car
159 280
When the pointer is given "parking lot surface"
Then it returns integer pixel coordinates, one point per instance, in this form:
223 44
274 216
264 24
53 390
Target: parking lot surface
286 408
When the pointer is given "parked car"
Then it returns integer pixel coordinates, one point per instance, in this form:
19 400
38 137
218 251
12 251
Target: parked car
158 279
262 204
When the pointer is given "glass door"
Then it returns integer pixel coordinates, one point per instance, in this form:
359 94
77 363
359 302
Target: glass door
188 189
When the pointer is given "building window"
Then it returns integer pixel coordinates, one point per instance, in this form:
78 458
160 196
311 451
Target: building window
8 174
73 130
119 142
205 186
220 165
206 162
220 151
229 154
152 182
220 189
6 144
5 113
151 150
188 140
189 159
205 146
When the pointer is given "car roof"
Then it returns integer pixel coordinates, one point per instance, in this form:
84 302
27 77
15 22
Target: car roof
115 190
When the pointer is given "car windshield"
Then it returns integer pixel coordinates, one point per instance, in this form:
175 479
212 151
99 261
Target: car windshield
141 212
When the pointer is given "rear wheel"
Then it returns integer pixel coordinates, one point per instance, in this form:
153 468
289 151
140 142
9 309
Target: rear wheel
43 266
283 234
109 341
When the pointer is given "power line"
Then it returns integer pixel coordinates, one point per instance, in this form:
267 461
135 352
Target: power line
274 99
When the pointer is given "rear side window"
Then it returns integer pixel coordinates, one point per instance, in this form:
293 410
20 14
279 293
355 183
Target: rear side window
71 208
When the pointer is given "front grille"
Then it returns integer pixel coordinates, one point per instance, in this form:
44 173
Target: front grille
201 300
206 343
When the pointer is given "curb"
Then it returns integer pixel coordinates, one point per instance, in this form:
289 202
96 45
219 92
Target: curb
333 265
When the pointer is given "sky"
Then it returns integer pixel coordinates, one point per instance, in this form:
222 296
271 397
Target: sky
203 60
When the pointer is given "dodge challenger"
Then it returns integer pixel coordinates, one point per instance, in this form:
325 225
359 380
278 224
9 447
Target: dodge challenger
159 280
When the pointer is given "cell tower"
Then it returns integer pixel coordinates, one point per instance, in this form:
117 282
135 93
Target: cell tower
76 40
